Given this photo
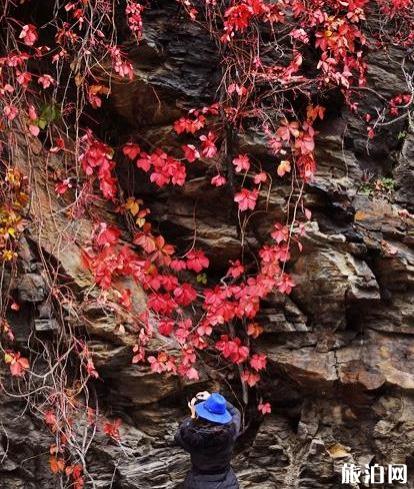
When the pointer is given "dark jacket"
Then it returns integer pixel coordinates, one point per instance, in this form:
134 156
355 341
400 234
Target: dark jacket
211 449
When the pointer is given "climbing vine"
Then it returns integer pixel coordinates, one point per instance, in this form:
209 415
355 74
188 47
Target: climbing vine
278 63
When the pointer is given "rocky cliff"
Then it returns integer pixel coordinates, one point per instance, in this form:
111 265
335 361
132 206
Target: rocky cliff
340 347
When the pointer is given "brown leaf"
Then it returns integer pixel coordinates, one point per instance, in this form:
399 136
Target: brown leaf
338 451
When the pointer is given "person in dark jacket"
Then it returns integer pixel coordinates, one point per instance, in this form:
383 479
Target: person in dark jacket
209 436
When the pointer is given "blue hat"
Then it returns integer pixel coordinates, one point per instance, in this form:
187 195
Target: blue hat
214 409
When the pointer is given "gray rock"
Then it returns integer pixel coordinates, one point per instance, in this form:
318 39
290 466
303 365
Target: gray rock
340 347
32 288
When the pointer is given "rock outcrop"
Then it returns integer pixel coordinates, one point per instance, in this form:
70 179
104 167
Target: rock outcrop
340 348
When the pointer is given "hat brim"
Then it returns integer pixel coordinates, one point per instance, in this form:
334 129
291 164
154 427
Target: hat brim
203 413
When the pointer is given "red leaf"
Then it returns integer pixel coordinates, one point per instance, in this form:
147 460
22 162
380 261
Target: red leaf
236 269
246 199
29 34
209 149
260 178
251 378
197 260
56 465
264 408
107 235
62 187
190 153
258 362
46 81
281 233
112 429
192 374
254 330
241 163
17 364
166 327
218 181
131 150
144 162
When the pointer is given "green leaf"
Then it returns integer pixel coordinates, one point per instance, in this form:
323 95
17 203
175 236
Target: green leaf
202 278
50 113
42 123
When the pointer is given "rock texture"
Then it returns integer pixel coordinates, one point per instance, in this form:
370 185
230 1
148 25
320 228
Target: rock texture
341 347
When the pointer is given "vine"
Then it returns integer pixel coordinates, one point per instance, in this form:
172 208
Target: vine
279 62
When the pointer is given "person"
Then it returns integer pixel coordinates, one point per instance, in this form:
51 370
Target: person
209 436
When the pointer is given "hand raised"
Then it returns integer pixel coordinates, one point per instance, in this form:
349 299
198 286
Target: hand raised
190 404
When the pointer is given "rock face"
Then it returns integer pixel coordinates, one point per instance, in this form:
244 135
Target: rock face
340 348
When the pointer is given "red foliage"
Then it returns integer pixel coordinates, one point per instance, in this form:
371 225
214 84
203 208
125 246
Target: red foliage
190 153
131 150
264 408
18 365
163 169
196 260
96 161
208 146
112 429
133 11
241 163
246 199
192 309
232 349
29 34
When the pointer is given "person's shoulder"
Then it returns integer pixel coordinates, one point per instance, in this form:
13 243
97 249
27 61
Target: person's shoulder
187 420
187 423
